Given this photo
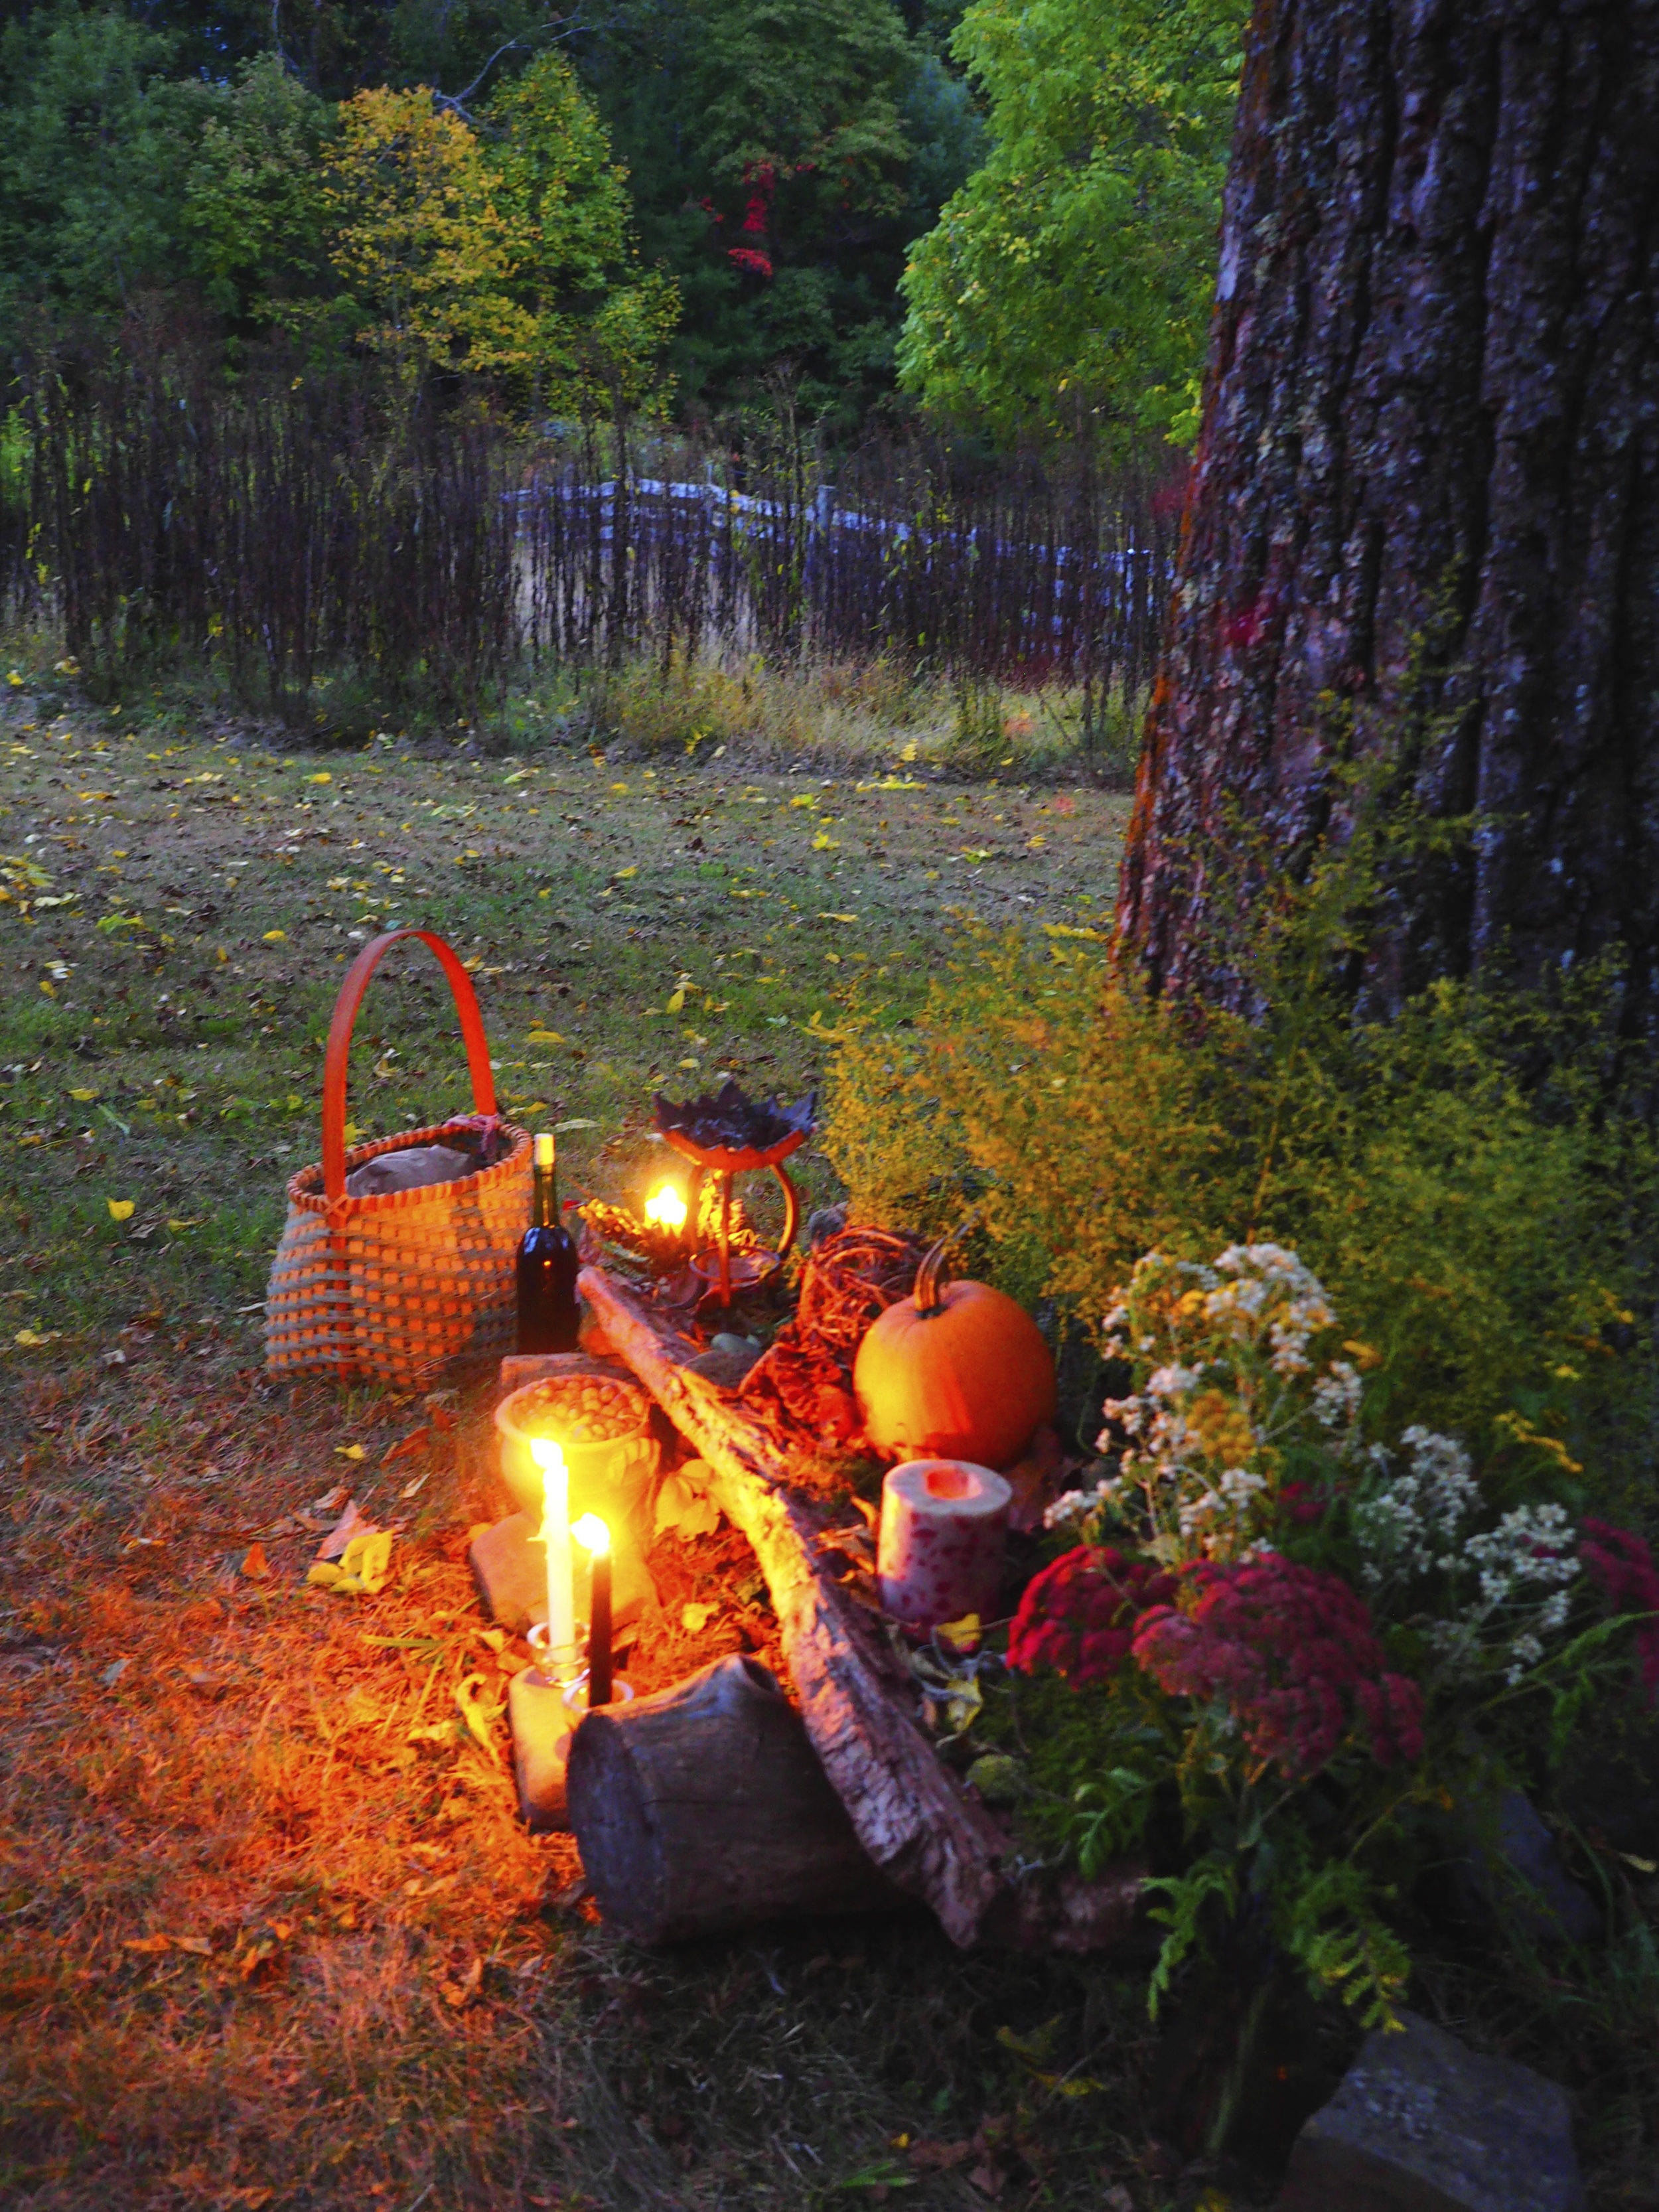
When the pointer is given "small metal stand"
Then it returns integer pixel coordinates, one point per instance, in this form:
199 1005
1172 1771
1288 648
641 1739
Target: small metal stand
729 1134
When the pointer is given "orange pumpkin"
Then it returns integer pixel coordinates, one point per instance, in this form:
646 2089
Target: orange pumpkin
957 1370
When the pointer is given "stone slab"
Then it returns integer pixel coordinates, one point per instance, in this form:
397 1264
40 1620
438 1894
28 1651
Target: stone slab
1420 2124
520 1368
509 1565
542 1727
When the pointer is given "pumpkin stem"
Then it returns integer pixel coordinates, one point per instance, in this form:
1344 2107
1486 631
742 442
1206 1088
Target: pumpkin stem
930 1273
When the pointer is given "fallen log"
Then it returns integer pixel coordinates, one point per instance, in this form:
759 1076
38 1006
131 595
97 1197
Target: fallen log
909 1813
704 1809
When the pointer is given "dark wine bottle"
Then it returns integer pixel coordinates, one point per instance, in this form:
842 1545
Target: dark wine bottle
548 1266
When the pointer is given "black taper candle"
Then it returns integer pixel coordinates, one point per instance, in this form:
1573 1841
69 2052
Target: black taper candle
599 1633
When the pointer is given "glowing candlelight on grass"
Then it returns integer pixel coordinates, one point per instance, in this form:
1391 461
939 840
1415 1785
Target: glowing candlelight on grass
666 1207
592 1532
561 1578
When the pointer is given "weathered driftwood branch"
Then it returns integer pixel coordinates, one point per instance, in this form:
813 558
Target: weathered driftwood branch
908 1812
704 1809
857 1701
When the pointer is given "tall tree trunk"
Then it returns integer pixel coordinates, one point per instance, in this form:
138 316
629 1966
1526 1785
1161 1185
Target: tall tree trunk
1424 520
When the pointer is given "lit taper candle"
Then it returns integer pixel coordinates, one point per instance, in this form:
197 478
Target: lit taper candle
561 1574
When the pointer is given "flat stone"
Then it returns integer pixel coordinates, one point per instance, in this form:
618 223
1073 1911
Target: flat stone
520 1368
509 1565
1420 2124
542 1727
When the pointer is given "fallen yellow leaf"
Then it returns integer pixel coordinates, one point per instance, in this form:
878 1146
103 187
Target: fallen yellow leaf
351 1451
276 936
478 1717
120 1209
367 1559
83 1098
322 776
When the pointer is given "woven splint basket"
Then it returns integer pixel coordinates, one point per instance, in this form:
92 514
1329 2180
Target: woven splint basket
398 1285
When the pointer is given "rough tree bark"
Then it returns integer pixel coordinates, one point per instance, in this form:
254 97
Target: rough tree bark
1423 519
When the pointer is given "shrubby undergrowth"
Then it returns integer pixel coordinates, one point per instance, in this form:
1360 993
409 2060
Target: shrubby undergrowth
1463 1177
1364 1542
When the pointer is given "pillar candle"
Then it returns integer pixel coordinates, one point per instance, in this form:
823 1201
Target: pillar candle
940 1553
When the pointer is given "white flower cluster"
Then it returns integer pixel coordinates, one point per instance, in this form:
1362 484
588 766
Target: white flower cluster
1267 1275
1076 1505
1417 1524
1232 1380
1412 1524
1337 1395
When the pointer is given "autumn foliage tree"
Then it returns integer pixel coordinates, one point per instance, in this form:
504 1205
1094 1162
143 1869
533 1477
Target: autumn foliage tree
511 259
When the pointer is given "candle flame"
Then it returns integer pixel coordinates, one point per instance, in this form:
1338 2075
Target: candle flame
592 1532
666 1207
547 1453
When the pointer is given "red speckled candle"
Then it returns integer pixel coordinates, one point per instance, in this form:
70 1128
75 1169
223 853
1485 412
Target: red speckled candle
939 1554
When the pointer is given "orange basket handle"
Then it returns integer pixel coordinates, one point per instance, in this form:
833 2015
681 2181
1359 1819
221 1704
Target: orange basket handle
339 1045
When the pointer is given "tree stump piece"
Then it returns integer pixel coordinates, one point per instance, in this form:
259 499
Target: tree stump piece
704 1809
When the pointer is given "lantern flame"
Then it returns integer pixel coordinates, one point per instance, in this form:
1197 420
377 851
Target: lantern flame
666 1208
592 1534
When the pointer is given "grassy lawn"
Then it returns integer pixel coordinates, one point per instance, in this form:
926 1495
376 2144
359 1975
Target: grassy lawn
269 1934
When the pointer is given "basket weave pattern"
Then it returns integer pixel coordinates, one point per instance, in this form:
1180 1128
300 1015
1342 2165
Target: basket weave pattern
417 1278
398 1285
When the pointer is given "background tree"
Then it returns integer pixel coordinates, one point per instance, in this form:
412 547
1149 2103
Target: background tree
599 321
1069 279
1423 531
782 157
505 253
424 253
92 159
253 216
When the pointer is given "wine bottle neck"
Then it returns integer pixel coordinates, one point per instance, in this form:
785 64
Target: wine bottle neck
547 1181
547 1197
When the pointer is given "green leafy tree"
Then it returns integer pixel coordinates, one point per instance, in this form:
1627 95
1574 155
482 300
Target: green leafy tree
599 321
781 157
95 143
254 214
1069 281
